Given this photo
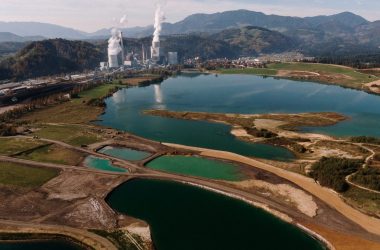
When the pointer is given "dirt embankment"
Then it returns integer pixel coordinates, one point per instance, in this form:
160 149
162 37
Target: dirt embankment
374 86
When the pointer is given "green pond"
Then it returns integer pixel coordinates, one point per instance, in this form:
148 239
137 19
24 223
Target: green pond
39 245
243 94
197 166
102 164
188 218
124 153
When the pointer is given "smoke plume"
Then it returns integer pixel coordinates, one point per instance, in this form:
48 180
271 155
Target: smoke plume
159 18
114 47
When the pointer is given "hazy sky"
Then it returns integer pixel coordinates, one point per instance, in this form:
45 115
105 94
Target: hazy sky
91 15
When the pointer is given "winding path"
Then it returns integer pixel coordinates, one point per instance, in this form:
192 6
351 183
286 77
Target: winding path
367 160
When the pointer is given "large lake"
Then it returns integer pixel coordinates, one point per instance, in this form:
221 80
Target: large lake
236 94
187 218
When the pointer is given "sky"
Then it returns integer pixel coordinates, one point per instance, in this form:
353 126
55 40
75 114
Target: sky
92 15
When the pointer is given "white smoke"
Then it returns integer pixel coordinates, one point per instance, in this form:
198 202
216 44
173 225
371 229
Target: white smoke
123 21
158 20
114 47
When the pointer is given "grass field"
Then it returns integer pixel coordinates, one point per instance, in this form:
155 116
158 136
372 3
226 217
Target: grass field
324 68
54 154
250 71
73 134
24 176
326 73
75 111
11 146
68 121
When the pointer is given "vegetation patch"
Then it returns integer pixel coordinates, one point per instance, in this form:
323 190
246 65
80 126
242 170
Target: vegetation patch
368 177
24 176
76 135
368 202
53 154
12 146
250 71
73 111
331 172
365 139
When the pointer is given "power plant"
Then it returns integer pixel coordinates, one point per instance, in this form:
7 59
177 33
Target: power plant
116 51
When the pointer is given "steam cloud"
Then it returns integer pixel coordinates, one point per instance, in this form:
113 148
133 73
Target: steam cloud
114 47
159 18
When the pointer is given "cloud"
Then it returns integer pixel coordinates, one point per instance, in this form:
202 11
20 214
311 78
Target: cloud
91 15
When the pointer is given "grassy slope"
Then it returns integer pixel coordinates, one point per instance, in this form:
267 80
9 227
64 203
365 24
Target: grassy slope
23 176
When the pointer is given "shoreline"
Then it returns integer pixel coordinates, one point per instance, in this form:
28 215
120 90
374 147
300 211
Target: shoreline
365 87
370 224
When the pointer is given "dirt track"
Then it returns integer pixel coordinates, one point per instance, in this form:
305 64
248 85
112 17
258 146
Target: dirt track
370 224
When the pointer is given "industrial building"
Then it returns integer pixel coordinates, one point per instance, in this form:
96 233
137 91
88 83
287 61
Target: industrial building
172 58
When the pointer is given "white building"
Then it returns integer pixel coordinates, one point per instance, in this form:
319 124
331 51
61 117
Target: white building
173 58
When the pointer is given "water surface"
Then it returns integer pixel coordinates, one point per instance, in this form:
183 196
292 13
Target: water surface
102 164
187 218
236 94
124 153
197 166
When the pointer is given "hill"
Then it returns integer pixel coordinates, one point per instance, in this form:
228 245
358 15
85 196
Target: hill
41 29
50 57
10 37
254 40
339 34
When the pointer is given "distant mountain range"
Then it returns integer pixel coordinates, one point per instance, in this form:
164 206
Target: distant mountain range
343 33
41 29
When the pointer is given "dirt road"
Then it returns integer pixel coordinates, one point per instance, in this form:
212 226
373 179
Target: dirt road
330 197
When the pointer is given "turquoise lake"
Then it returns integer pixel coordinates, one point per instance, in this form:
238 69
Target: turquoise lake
102 164
244 94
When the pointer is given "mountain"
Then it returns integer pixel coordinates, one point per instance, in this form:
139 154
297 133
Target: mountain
41 29
253 40
217 22
339 34
50 57
10 37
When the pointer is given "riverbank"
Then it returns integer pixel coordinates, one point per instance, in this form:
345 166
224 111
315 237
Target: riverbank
370 224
